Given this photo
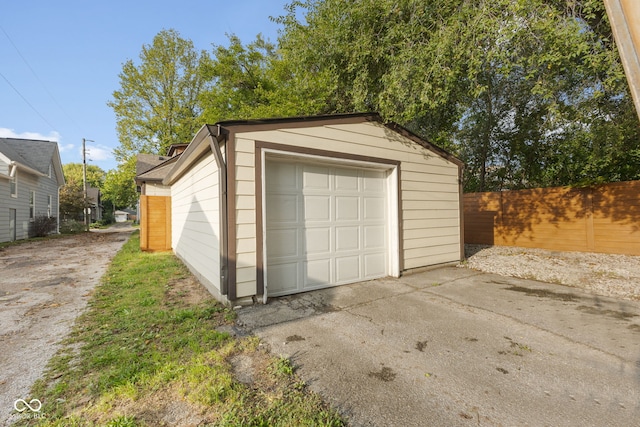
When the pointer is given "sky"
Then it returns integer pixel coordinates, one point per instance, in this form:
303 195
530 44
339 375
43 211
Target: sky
60 60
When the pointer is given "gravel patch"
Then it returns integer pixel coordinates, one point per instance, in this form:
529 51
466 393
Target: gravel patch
602 274
44 286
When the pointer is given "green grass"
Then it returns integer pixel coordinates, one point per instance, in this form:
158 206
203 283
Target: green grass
144 342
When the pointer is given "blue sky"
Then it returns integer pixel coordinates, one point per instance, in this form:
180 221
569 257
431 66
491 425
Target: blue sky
60 60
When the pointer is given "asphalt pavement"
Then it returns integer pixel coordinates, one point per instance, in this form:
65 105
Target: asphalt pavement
453 346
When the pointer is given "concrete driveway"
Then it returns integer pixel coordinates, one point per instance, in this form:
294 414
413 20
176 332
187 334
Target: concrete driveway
453 346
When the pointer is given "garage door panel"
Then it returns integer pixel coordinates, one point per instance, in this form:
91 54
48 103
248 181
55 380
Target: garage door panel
346 180
284 243
373 181
314 177
347 269
283 208
340 214
283 278
374 208
317 240
374 237
347 238
284 177
317 208
317 272
347 208
374 265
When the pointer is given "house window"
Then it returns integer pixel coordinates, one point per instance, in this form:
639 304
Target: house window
14 185
32 205
49 201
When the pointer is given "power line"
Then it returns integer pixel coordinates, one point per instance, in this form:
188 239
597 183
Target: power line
55 101
28 103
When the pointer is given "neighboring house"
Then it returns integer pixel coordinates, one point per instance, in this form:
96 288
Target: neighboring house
263 208
94 196
154 204
30 180
121 216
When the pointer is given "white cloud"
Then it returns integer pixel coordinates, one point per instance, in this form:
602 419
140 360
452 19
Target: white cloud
96 154
65 148
11 133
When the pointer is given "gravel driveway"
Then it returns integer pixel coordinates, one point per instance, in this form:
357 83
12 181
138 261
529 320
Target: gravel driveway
44 286
601 274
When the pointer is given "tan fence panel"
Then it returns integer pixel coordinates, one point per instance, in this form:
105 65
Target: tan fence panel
155 223
604 218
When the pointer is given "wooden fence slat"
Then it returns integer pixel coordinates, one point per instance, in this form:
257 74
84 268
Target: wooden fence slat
603 218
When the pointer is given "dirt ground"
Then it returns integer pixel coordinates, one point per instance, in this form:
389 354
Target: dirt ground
39 303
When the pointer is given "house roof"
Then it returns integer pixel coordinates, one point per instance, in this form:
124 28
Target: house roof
34 156
93 194
157 172
146 162
198 145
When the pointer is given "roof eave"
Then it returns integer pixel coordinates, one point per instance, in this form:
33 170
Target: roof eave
194 150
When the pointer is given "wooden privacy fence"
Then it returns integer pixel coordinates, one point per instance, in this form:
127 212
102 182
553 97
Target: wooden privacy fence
603 218
155 223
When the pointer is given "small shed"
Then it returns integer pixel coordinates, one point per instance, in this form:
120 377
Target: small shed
265 208
121 216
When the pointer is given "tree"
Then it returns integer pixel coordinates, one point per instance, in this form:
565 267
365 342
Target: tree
72 199
95 175
157 103
119 186
527 93
72 193
254 81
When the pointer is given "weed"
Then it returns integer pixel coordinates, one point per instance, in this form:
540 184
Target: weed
138 342
283 366
122 421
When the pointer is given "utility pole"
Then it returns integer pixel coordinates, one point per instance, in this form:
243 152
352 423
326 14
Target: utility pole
84 183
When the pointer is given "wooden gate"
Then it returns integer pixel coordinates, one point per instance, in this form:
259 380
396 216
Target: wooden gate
155 223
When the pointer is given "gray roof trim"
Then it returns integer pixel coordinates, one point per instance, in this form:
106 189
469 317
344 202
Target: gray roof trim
196 148
33 156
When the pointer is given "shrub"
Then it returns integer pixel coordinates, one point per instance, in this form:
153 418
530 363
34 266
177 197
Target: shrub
43 225
71 226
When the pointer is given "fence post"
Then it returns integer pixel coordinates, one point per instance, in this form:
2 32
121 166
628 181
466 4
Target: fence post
588 197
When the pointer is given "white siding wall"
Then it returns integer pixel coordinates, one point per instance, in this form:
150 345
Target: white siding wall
245 218
430 203
196 221
152 189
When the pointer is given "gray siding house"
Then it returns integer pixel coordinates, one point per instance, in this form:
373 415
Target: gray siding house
30 180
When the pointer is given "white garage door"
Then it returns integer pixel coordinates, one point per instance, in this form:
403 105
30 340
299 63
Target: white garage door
326 225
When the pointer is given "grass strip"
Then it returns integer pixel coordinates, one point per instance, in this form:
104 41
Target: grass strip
146 352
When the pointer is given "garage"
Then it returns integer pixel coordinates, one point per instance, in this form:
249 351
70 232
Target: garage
273 207
326 224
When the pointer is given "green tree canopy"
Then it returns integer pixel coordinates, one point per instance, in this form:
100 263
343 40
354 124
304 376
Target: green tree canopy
527 92
253 81
73 173
157 103
119 187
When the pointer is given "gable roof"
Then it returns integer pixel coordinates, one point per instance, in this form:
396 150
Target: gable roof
199 144
328 119
146 162
34 156
158 172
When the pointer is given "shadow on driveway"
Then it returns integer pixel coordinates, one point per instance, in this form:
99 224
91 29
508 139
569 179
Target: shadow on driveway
453 346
